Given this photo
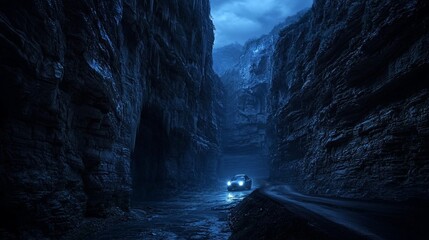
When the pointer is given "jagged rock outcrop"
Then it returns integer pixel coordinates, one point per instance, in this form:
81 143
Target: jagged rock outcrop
247 84
82 82
350 100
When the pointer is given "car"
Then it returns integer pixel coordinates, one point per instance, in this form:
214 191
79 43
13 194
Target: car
239 182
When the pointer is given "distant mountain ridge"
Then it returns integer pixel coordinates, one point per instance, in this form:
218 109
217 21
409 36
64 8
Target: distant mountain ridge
225 57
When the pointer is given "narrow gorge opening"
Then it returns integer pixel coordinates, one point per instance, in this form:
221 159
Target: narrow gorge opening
246 72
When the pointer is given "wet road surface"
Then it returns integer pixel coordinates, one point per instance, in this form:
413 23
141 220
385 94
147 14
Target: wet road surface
190 215
370 220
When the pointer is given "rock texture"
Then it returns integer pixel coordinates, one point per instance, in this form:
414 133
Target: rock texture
247 84
350 100
82 82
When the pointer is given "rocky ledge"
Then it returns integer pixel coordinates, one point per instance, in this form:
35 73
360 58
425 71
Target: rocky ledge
260 217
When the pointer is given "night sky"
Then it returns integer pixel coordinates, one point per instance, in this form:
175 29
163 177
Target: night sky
240 20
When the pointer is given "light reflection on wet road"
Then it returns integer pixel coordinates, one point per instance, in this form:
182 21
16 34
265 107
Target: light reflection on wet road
190 215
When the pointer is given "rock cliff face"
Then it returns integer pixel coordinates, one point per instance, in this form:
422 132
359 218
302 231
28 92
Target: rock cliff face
86 86
350 100
247 83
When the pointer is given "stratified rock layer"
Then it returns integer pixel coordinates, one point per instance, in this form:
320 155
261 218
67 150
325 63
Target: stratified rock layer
350 94
81 82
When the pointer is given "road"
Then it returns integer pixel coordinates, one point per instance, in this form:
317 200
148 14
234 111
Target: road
190 215
202 214
368 220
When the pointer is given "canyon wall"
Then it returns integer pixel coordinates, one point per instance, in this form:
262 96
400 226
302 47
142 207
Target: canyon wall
350 100
86 87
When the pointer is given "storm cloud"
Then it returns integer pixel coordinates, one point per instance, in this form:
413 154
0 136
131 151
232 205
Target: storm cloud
240 20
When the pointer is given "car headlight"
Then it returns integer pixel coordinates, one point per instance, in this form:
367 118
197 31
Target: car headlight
228 183
240 183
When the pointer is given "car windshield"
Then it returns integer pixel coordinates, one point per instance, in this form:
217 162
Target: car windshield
238 178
